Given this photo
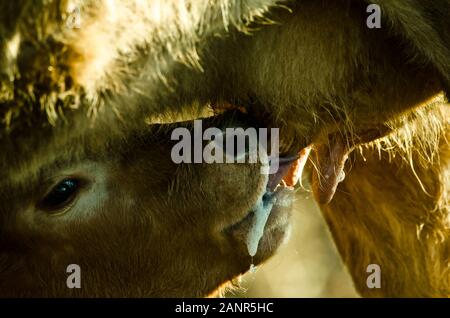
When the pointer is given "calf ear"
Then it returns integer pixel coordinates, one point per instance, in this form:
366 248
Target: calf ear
426 26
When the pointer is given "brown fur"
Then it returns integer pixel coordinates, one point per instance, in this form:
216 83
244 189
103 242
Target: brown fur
80 101
393 211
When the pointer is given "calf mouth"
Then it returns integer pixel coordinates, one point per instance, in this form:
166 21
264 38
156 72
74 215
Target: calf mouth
256 234
274 231
263 229
260 233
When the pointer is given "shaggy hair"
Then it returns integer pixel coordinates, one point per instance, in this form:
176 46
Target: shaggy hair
50 64
87 75
393 209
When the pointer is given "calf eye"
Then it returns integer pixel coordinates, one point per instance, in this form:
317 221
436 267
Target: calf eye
60 196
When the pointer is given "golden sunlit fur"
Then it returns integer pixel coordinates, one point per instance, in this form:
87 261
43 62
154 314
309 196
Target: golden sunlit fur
94 88
394 211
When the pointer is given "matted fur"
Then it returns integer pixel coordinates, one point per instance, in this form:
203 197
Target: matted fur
394 210
51 63
71 93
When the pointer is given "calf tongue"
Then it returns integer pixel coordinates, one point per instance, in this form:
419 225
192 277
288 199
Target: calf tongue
296 169
289 170
284 165
329 161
